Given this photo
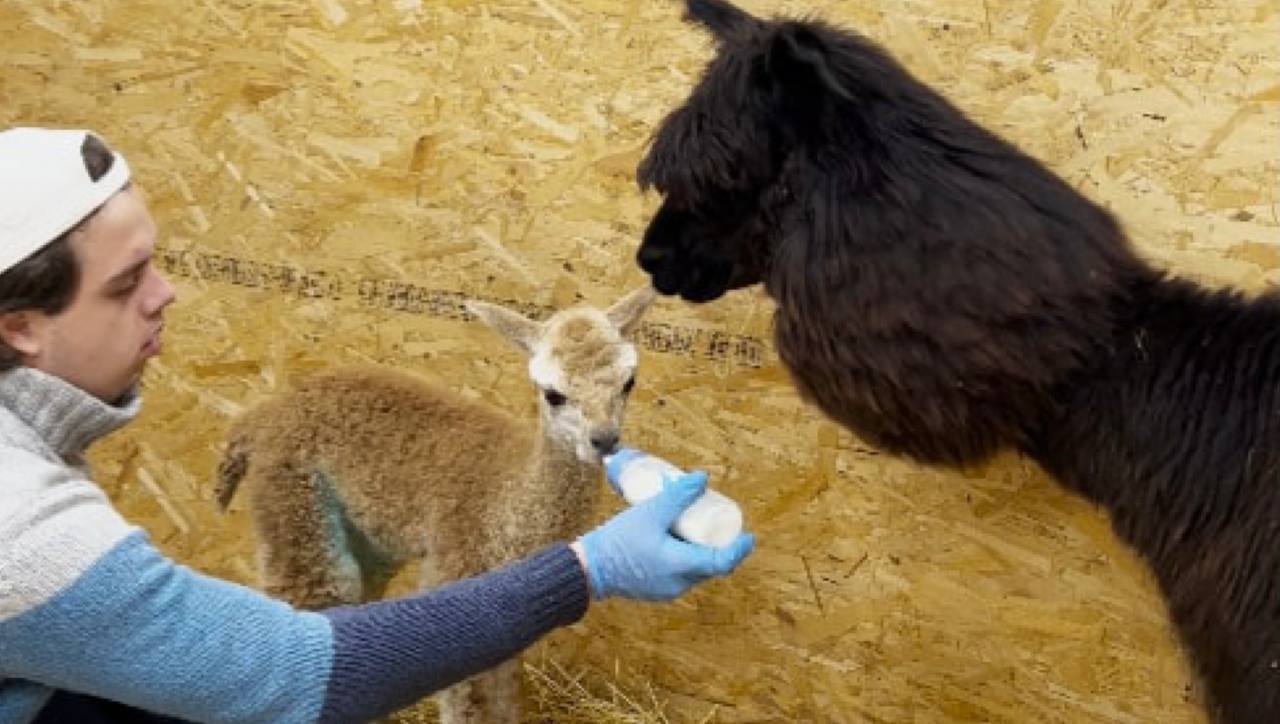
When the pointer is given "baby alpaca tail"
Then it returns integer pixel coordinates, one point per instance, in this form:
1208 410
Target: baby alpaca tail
231 469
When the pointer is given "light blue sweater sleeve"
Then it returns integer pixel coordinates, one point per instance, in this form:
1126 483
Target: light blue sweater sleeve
137 627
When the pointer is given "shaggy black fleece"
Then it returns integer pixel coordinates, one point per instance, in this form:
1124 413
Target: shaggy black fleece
944 296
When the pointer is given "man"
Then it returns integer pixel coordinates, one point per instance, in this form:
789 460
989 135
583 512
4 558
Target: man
95 624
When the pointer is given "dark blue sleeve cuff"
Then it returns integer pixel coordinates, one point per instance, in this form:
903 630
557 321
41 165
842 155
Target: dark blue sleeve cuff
389 654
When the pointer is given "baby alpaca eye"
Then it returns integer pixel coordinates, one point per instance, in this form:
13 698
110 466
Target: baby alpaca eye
631 382
553 397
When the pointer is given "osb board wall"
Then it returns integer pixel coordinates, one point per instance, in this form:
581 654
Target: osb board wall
332 177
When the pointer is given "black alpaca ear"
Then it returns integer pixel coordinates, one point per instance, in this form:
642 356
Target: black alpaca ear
798 64
718 16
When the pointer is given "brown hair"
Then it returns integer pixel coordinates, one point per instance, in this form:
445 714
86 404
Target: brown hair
47 280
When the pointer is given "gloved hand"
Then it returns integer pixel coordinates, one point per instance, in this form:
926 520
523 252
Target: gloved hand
634 555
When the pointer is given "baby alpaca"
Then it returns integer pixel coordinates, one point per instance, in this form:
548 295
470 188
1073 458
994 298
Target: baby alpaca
359 470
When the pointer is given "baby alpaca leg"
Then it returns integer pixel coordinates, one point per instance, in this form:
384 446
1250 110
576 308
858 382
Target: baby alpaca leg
303 552
490 697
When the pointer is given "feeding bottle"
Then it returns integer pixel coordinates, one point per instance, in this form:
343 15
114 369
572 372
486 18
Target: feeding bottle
712 520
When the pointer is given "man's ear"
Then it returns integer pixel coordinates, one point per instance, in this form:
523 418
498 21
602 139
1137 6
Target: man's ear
20 331
799 66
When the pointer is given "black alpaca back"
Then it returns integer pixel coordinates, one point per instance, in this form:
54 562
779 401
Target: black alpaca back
944 295
1176 432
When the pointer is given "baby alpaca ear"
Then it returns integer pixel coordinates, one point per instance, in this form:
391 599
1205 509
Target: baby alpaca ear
513 326
626 312
799 65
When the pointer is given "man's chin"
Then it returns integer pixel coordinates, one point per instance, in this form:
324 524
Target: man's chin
128 396
134 386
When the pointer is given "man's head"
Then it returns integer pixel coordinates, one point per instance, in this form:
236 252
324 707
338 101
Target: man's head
79 297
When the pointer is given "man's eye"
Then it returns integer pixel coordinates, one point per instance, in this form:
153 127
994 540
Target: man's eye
631 382
553 398
126 285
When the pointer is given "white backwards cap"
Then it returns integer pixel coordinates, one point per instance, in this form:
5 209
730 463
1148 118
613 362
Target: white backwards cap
45 189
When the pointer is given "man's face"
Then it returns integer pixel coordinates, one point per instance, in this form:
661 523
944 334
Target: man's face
103 339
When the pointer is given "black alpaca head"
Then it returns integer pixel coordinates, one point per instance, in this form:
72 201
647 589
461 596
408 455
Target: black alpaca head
718 159
933 285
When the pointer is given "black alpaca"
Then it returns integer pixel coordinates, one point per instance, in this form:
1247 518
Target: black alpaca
944 296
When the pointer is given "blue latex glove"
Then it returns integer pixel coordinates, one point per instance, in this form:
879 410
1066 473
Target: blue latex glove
634 555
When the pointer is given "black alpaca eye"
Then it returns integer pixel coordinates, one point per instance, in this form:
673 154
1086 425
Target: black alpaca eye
631 382
554 398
